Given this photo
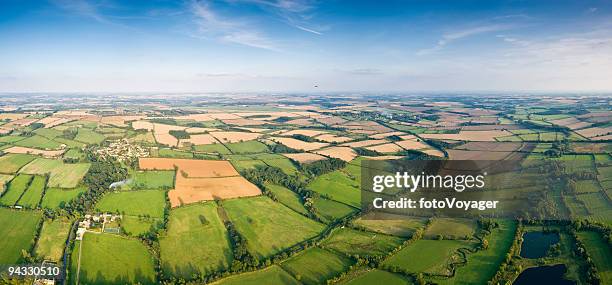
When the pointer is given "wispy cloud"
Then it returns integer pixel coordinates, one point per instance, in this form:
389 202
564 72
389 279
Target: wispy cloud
465 33
83 8
213 26
295 13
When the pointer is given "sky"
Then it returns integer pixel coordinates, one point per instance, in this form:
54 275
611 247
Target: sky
305 46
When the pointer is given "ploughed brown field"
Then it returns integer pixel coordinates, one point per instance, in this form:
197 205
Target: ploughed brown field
202 180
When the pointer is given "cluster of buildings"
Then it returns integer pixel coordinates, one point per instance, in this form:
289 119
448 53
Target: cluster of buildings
90 221
123 150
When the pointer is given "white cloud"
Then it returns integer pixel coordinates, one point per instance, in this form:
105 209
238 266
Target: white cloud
460 34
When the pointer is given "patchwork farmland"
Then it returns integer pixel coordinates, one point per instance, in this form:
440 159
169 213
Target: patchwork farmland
268 193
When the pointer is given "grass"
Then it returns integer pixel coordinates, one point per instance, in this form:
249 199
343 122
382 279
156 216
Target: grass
54 197
53 236
329 210
135 226
451 228
269 227
162 179
134 203
74 153
61 174
392 225
315 265
11 163
378 277
434 256
10 139
39 142
587 186
287 197
212 148
247 147
88 136
48 133
15 189
599 250
171 153
196 241
18 230
598 206
108 258
31 198
350 242
337 186
270 275
247 164
482 265
70 143
283 163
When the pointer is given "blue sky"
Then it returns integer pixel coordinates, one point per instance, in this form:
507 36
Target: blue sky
293 45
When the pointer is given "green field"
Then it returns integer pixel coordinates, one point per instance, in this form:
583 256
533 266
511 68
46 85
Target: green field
18 230
599 250
48 133
212 148
587 186
315 265
112 259
247 147
271 275
434 256
31 198
269 227
39 142
10 139
11 163
74 153
54 197
451 228
392 225
329 210
352 242
135 226
287 197
15 189
53 236
338 186
171 153
134 203
196 241
376 276
88 136
598 207
161 179
241 165
62 175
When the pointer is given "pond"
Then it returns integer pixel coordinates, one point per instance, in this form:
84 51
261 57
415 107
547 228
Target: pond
536 244
544 275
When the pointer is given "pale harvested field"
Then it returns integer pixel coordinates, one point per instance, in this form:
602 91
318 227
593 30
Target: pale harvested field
196 130
120 121
331 120
223 116
384 157
12 116
408 137
470 135
566 121
304 157
593 132
491 127
165 138
385 148
142 125
433 152
300 122
333 138
59 122
365 143
48 120
491 146
243 122
195 117
4 131
192 190
412 144
232 137
191 167
298 144
339 152
384 135
27 150
308 133
200 139
163 128
477 155
255 130
602 138
579 125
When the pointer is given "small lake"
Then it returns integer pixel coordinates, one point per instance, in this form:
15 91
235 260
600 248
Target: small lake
543 275
536 244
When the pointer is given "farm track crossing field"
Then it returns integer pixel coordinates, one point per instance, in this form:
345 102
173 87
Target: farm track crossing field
599 250
112 259
34 193
376 276
271 275
17 229
133 203
482 265
316 265
11 163
349 241
15 189
269 226
63 175
55 196
182 250
427 256
53 235
287 197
